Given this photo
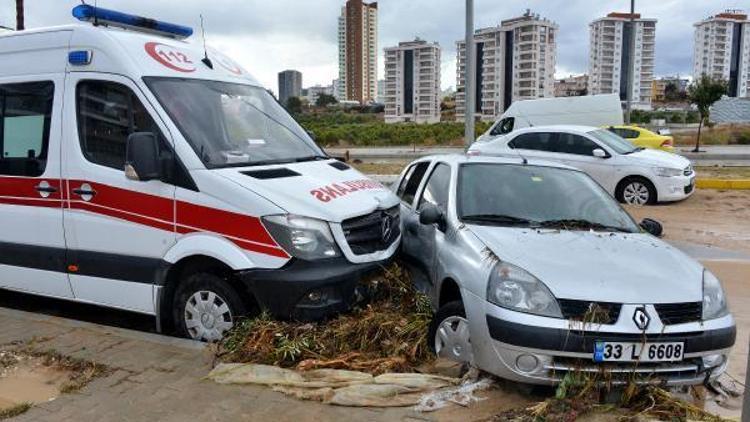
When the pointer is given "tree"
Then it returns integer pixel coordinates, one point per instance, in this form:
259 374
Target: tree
704 93
294 105
19 16
325 99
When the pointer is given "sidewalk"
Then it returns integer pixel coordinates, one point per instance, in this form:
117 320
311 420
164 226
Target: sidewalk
159 378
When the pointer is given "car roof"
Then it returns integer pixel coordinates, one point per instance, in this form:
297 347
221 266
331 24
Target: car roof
458 159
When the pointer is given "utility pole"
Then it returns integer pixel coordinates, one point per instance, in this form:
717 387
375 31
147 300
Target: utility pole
19 16
631 63
470 90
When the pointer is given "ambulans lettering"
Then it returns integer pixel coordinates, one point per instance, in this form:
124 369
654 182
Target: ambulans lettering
170 57
337 190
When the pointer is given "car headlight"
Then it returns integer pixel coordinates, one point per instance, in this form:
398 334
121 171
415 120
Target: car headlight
667 172
514 288
302 237
714 300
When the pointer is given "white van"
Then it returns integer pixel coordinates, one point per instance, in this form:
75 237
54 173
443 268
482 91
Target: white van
139 173
589 110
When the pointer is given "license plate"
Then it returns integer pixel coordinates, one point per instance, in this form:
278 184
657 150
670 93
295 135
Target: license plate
638 352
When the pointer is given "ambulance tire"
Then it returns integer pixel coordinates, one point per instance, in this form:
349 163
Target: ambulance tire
206 307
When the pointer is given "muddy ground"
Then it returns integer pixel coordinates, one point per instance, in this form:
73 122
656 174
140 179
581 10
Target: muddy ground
709 217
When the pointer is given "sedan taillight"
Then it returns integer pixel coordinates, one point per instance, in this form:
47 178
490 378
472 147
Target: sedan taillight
667 143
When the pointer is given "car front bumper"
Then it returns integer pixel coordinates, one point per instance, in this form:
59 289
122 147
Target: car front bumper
670 189
540 350
307 290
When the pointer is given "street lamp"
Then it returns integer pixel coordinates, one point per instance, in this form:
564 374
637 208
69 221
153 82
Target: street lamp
470 76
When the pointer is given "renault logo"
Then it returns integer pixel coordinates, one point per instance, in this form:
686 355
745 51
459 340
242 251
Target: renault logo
386 227
641 318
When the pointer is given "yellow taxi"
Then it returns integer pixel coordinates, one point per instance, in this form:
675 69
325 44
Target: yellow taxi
644 138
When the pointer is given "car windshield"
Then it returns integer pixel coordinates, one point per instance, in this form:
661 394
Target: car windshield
537 196
230 124
613 141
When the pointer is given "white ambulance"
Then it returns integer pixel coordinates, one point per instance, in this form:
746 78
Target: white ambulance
141 172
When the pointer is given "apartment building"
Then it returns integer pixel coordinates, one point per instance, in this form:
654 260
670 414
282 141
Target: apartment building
290 85
610 53
722 50
572 86
515 61
659 88
412 82
358 51
312 93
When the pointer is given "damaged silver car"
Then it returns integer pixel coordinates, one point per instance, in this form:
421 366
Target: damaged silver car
535 271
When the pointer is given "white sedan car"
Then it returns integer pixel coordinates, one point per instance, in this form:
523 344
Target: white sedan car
632 175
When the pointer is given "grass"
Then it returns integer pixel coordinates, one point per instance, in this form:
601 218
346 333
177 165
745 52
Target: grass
380 167
718 135
723 172
387 335
16 410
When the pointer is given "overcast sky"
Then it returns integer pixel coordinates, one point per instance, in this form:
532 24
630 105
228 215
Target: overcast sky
268 36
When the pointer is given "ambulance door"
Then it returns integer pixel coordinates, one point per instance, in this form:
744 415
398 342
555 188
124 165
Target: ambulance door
32 243
117 229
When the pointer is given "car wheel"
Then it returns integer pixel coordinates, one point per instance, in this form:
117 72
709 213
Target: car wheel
449 333
206 307
636 191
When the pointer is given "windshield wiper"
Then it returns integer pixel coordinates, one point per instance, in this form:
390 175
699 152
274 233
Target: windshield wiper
572 224
497 219
311 158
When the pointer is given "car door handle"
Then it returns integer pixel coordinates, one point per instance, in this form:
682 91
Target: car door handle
45 188
84 192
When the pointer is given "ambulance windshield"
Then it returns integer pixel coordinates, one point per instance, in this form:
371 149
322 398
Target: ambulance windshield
232 125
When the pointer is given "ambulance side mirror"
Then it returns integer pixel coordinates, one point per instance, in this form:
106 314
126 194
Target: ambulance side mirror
142 157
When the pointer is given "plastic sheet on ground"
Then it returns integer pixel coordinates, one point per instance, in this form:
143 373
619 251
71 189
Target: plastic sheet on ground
352 388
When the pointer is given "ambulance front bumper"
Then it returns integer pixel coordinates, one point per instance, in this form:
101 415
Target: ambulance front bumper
308 290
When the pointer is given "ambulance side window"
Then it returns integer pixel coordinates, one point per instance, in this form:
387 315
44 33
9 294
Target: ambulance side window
108 113
25 119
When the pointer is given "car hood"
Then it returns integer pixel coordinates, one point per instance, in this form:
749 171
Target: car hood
597 266
314 189
658 158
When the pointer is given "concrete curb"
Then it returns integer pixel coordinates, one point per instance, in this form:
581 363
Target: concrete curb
735 184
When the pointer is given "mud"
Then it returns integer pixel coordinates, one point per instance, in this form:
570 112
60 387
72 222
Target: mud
30 381
709 217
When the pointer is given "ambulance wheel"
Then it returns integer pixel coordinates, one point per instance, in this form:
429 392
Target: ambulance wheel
206 307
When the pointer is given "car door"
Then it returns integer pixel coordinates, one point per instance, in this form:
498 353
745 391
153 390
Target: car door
32 242
117 229
577 151
407 192
424 236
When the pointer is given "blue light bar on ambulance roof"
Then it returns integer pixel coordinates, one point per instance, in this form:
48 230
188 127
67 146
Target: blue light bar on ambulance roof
97 15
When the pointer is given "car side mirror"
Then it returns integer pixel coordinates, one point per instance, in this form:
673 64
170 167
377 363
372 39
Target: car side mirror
599 153
652 226
430 214
142 157
311 134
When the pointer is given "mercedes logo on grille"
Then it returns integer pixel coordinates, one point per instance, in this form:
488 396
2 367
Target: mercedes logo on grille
641 318
386 227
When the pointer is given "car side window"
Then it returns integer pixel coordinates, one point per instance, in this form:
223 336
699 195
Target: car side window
505 126
569 143
412 179
25 119
108 113
436 191
633 134
536 141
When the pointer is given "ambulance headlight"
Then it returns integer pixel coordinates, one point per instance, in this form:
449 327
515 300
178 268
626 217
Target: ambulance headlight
302 237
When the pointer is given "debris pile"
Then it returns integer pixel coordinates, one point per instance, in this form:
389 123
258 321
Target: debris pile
387 335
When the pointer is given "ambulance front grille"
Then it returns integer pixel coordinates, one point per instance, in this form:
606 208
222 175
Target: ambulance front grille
373 232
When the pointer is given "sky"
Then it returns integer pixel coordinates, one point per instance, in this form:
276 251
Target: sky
268 36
